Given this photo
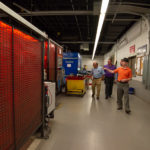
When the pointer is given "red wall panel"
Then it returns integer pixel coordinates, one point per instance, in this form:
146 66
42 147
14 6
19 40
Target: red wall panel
6 97
27 85
45 56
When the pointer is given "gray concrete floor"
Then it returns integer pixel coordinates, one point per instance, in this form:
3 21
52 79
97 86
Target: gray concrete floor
88 124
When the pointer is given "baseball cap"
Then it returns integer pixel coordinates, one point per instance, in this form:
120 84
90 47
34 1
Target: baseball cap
125 59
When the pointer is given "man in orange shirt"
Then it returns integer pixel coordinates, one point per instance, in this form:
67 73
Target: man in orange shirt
124 76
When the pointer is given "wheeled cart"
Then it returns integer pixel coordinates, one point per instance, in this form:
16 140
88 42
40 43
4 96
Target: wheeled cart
76 85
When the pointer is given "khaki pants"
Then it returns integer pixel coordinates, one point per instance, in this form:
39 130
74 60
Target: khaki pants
96 83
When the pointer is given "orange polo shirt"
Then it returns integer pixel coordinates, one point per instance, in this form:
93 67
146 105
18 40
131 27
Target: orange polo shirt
123 73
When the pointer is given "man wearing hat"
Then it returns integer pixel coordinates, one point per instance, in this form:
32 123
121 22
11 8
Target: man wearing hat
124 76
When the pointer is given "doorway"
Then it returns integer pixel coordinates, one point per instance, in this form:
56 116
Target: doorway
132 63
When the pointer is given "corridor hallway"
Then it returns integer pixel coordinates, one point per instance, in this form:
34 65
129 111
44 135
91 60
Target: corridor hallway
82 123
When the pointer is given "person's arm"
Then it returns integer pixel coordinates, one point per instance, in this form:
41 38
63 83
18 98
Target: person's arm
92 74
103 77
116 77
103 74
111 71
126 80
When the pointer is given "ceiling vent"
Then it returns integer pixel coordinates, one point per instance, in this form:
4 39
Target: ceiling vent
84 47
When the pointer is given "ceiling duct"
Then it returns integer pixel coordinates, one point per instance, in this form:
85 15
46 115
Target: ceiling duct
84 47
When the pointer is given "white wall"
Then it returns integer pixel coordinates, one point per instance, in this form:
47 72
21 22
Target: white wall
87 60
137 35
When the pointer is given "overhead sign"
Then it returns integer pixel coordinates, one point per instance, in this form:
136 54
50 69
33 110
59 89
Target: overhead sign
142 50
132 49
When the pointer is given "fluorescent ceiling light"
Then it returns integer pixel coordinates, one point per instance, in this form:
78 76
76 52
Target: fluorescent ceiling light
104 6
100 24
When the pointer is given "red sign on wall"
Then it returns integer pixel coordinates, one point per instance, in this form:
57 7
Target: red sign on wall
132 49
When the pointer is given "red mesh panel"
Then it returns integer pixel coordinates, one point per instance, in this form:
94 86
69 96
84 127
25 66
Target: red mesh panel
52 62
45 56
6 106
27 73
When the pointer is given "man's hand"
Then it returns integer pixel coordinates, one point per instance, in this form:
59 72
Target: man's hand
116 81
111 71
125 80
103 77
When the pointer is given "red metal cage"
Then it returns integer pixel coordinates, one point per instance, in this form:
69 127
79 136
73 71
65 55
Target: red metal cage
27 84
52 61
6 95
20 86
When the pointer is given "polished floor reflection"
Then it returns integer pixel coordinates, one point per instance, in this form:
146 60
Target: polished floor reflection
83 123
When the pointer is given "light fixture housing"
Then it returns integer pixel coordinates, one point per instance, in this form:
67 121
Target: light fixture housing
103 11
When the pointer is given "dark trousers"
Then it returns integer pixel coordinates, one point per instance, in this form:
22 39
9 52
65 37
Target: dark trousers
109 85
122 90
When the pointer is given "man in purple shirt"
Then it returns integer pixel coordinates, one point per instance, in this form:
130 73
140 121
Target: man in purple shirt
109 79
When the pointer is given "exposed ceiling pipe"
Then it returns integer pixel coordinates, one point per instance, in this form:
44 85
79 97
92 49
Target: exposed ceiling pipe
22 8
20 19
86 42
132 3
43 22
76 20
87 7
108 19
116 12
124 9
61 24
59 12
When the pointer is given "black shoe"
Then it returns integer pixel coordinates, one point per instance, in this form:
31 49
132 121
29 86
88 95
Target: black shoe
97 98
119 108
109 96
92 95
128 111
106 97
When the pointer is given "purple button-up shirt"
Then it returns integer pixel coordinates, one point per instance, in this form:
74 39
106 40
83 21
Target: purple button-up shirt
108 74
